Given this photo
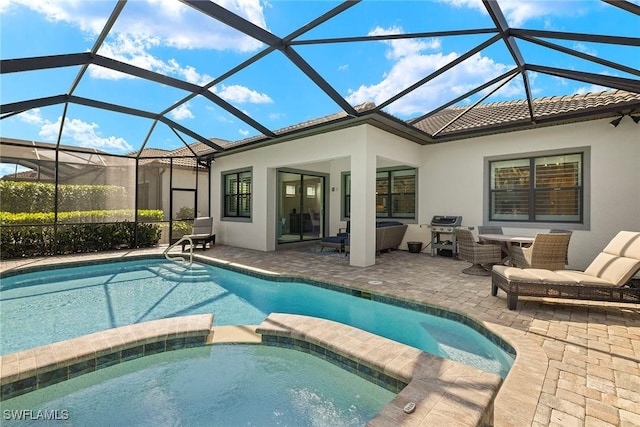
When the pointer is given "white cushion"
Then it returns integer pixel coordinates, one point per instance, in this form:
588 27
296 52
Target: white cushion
626 244
582 278
516 274
615 269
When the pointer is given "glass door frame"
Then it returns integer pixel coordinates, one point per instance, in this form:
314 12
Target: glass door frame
284 222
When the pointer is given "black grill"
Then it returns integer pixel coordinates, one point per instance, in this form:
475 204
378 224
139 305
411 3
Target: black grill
443 238
447 221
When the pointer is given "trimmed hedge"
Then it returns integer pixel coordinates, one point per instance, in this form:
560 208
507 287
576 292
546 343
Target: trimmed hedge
28 235
121 215
18 197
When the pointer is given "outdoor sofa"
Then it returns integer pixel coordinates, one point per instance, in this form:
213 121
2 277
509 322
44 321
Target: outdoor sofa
389 235
606 279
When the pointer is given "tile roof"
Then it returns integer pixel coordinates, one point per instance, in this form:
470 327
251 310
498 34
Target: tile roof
516 113
482 119
309 124
29 175
151 152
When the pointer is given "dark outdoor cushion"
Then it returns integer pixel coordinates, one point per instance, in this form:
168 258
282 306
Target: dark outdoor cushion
335 239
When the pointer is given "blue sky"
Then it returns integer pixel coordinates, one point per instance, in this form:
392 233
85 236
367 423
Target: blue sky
172 39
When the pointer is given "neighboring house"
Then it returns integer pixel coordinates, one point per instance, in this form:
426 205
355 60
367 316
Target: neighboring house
156 189
569 169
159 189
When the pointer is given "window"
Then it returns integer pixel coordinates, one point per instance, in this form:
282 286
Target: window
346 191
237 194
537 189
395 194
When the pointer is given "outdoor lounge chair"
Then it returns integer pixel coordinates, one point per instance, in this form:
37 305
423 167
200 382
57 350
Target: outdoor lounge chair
548 251
337 241
606 279
478 254
202 233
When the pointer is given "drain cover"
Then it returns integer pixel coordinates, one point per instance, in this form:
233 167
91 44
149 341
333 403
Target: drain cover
374 282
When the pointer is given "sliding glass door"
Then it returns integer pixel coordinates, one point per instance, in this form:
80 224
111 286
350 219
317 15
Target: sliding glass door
300 206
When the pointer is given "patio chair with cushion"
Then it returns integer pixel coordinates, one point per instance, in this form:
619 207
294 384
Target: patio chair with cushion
548 251
337 241
202 232
479 255
607 278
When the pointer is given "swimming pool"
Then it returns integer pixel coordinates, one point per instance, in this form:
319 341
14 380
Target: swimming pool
212 385
46 306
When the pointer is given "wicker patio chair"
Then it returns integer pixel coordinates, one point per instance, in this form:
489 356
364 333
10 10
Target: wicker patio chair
479 255
608 278
553 230
489 229
548 251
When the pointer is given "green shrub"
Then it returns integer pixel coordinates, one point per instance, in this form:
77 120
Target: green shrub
28 235
18 196
185 213
180 228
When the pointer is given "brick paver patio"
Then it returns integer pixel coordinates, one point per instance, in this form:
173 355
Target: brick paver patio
578 362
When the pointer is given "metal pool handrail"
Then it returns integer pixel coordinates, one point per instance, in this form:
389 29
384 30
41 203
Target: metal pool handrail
180 259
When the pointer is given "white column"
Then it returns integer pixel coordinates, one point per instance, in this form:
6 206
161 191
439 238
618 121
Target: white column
363 205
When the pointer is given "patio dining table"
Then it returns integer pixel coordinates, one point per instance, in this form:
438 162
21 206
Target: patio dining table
506 241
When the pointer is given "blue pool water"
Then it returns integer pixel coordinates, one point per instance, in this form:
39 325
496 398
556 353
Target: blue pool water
220 385
43 307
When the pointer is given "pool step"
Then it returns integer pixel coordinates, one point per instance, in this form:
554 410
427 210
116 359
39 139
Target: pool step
178 272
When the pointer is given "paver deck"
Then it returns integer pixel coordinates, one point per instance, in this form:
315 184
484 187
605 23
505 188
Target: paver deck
578 362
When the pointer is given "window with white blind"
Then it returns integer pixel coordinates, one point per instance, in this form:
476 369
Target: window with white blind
545 188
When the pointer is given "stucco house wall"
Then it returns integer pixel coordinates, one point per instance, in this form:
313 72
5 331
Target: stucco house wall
450 180
315 153
455 184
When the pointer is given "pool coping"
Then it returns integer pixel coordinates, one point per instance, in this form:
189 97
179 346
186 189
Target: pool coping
443 391
38 367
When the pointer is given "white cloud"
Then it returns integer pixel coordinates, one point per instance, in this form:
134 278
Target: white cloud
410 64
404 47
134 50
517 12
147 25
182 112
591 89
89 16
581 47
32 117
243 132
242 94
83 134
173 22
343 67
